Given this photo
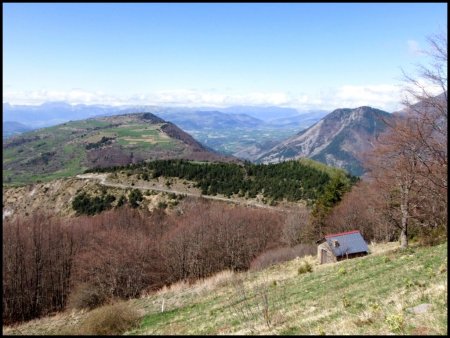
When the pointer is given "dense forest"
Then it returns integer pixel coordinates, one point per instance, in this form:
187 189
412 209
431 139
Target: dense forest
291 180
50 263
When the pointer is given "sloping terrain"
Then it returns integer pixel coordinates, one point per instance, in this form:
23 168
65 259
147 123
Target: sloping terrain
70 148
391 291
339 139
163 181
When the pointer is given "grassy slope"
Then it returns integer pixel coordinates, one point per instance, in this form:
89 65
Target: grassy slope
68 141
367 295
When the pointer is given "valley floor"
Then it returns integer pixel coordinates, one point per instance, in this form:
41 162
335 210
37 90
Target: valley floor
376 294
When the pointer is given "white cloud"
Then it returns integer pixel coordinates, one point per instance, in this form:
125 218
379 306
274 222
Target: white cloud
382 96
413 48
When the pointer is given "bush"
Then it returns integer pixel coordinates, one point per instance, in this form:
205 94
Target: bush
279 255
162 205
342 271
345 301
112 319
135 198
304 268
396 322
86 296
85 204
122 200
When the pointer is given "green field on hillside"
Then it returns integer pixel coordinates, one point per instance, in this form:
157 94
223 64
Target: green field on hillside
63 150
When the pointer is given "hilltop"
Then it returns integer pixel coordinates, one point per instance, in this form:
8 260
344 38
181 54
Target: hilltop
70 148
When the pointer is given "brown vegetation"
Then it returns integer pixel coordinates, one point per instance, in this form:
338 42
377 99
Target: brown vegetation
284 254
112 319
123 252
38 256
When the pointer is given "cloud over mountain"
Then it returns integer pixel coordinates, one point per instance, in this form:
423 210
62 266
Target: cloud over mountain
383 96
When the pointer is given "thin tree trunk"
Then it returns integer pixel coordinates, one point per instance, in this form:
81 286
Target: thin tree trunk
404 238
405 215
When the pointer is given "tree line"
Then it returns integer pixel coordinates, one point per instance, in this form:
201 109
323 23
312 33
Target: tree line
290 180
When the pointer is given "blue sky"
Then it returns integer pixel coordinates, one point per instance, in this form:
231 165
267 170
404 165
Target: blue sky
301 55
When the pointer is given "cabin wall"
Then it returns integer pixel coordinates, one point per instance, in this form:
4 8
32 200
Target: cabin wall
324 254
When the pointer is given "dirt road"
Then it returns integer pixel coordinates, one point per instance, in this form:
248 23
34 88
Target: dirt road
102 178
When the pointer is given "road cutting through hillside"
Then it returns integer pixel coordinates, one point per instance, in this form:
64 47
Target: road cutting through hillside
102 180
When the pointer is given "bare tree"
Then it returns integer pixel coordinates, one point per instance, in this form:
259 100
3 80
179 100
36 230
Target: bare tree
295 223
394 167
427 115
409 162
364 208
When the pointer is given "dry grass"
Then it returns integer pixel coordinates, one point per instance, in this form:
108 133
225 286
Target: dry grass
110 320
280 255
200 286
383 247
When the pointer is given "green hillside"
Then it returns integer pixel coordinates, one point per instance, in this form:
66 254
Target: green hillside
369 295
70 148
291 180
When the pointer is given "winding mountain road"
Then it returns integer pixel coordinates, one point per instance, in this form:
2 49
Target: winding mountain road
102 178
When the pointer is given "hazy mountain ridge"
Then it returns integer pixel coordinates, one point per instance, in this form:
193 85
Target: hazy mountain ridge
11 128
197 120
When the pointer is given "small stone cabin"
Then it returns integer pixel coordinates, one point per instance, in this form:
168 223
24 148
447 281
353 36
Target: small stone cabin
336 247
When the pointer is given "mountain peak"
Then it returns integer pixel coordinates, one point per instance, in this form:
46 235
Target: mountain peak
338 139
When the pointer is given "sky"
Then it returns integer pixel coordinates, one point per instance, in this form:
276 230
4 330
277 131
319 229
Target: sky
304 55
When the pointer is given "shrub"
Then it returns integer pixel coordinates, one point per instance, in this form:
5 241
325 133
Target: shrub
135 198
279 255
396 322
85 204
304 268
86 296
162 205
112 319
342 271
122 200
345 301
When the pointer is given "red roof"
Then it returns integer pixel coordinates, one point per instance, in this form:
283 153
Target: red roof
342 233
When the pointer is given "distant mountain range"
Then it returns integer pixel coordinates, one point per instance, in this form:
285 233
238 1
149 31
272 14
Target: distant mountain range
69 148
52 113
339 139
234 130
214 120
